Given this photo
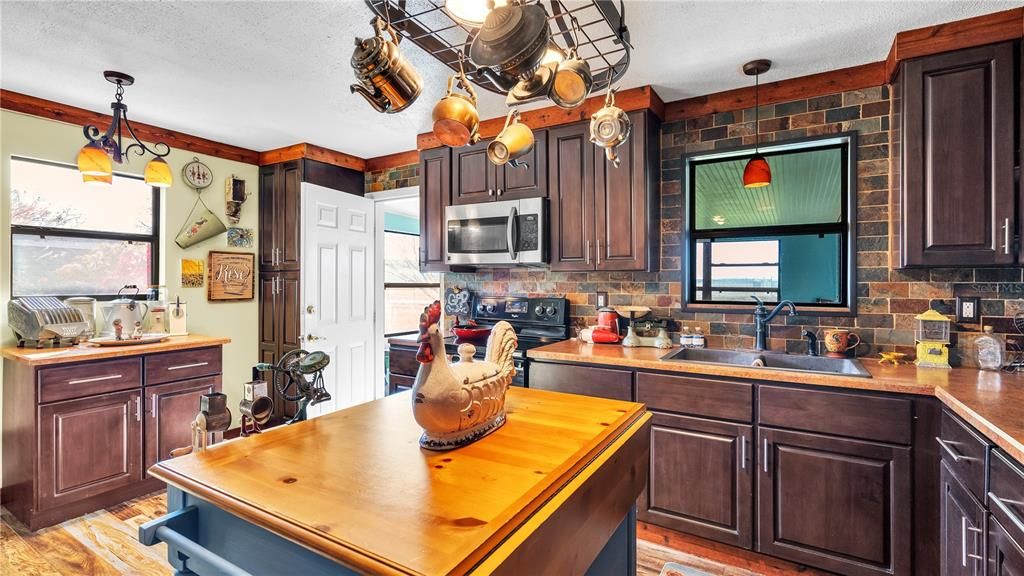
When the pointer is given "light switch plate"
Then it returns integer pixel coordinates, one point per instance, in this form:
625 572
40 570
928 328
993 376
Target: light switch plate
602 299
968 309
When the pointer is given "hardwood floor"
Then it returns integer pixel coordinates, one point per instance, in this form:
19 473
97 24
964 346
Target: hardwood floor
105 543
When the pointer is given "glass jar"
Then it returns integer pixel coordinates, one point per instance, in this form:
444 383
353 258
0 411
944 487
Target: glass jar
989 350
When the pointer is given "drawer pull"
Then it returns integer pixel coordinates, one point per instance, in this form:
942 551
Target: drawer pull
96 379
1003 506
951 451
185 366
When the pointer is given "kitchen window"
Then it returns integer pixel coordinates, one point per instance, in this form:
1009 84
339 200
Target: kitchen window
406 289
69 238
791 240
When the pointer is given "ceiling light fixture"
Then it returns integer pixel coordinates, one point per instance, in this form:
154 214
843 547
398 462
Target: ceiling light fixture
95 159
471 13
757 173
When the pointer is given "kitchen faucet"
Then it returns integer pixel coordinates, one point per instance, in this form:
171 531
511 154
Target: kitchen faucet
762 317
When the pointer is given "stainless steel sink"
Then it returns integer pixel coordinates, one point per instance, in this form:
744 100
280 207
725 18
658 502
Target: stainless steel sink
770 361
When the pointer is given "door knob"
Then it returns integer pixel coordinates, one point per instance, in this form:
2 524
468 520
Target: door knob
311 338
310 309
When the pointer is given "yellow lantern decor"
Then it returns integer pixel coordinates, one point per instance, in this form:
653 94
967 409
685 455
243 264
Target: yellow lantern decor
932 336
158 173
93 161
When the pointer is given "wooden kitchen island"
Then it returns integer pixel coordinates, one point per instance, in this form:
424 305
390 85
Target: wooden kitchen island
553 491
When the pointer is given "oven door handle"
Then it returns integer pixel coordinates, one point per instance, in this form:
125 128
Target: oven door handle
512 233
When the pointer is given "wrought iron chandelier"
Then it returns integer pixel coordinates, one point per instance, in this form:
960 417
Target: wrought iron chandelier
95 159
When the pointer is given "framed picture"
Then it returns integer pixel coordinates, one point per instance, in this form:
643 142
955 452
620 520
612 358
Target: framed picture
231 276
240 237
192 273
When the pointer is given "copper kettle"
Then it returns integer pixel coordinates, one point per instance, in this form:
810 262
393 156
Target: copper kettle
388 82
610 127
456 120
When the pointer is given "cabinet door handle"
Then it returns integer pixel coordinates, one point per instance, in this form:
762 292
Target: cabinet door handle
598 253
743 452
490 191
951 451
184 366
96 379
766 455
138 408
152 406
499 192
1006 235
586 256
963 541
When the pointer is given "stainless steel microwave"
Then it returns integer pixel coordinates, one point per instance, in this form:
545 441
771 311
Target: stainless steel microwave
508 233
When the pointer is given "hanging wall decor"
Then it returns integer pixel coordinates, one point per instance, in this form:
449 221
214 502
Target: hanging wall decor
202 223
234 196
240 237
232 276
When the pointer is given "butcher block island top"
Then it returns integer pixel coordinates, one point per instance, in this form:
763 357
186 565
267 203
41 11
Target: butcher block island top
355 486
86 352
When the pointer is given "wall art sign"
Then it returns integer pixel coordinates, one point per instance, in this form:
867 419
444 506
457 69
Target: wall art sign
192 273
232 276
240 237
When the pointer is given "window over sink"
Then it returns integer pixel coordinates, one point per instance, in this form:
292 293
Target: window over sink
69 238
791 240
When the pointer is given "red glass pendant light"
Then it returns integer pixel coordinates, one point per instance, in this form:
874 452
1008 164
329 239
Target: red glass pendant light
757 173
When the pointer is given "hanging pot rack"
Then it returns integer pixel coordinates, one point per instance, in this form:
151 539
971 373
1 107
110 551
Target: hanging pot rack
600 28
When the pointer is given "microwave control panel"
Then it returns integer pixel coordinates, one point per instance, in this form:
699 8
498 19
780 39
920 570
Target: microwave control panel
529 233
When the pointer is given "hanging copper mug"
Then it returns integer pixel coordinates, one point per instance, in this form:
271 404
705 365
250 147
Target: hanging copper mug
456 120
610 127
386 80
514 141
572 83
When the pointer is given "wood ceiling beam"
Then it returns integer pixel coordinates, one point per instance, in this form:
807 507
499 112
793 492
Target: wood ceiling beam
25 104
967 33
312 152
641 98
389 161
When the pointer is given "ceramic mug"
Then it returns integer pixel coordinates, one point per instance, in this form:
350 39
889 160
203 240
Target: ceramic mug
838 342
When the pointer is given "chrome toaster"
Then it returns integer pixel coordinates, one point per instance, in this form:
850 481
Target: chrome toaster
41 320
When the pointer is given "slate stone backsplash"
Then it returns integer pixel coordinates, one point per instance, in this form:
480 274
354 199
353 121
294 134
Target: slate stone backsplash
888 299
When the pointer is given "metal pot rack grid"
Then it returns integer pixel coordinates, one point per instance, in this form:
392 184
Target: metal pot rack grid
603 36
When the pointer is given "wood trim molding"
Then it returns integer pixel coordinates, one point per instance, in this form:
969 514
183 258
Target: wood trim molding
25 104
313 152
380 163
967 33
641 98
842 80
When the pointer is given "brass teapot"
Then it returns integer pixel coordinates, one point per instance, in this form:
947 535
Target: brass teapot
610 127
456 120
388 82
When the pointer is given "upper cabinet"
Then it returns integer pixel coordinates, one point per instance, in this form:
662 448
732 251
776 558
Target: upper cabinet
280 238
604 217
956 120
475 179
435 195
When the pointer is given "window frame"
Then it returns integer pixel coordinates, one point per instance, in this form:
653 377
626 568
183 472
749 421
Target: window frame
404 285
709 266
846 228
43 231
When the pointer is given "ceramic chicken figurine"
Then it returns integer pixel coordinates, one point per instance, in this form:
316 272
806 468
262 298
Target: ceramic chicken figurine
459 403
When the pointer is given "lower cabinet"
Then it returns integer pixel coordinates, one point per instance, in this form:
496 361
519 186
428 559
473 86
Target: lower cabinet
1005 556
170 409
838 504
586 380
701 478
962 528
89 446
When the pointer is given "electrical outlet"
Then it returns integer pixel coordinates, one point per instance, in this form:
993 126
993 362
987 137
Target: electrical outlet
602 299
968 309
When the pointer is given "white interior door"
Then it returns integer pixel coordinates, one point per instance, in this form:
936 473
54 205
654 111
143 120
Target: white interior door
337 291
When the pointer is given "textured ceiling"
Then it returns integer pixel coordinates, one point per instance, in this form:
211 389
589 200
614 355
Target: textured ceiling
268 74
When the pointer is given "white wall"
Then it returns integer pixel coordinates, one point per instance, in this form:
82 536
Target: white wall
34 137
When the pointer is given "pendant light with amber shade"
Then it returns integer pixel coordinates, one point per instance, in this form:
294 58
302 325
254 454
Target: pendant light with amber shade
757 173
96 159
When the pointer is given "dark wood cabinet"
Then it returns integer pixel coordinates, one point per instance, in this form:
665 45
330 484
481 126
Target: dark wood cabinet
586 380
280 210
170 409
701 478
89 446
962 528
956 124
280 326
435 196
838 504
475 179
604 217
1005 556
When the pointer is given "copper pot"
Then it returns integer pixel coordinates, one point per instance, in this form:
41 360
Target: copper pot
515 141
456 121
572 83
610 127
386 80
